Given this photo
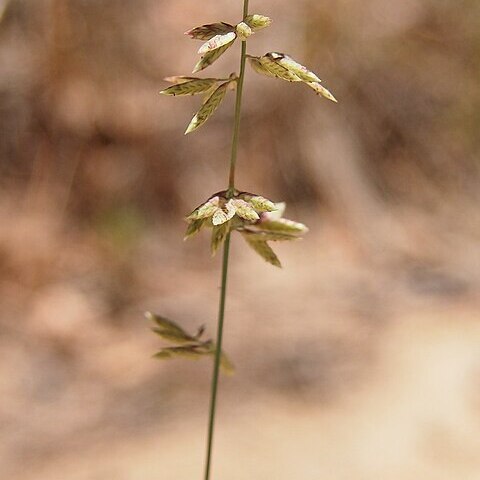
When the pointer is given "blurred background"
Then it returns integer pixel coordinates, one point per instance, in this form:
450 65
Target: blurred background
359 360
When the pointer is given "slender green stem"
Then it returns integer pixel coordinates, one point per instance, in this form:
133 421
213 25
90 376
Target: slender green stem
226 253
238 109
218 352
245 8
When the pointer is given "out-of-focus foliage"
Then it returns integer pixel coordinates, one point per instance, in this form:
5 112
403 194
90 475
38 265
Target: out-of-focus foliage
369 345
79 84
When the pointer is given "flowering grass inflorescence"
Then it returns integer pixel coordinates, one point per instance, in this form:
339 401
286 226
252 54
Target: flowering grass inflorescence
257 219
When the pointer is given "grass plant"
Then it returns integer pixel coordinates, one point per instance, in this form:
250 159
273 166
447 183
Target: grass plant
258 220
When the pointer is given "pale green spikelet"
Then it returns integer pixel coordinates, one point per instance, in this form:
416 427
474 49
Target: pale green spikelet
258 66
164 323
244 210
225 363
294 67
206 32
179 79
169 330
321 90
271 236
191 352
207 109
219 234
211 57
173 337
223 214
228 368
264 250
193 228
280 65
191 87
162 355
257 22
262 204
243 31
217 42
185 345
277 213
208 93
278 70
283 225
205 210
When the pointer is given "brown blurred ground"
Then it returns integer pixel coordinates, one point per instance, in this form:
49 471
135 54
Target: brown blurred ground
360 360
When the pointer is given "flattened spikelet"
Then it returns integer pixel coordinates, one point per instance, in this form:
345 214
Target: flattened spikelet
294 67
190 87
264 250
278 70
178 79
243 31
262 204
257 22
244 210
164 323
257 65
211 57
283 225
208 108
219 234
205 210
193 228
223 215
321 90
216 42
271 236
206 32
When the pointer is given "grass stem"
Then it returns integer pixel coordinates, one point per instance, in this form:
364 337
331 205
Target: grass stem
226 253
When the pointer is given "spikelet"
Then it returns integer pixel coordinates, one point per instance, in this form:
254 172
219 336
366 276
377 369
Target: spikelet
283 225
294 67
208 108
257 65
211 57
257 22
205 210
321 90
190 87
193 228
244 210
206 32
243 31
264 250
278 70
223 215
217 42
219 234
262 204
